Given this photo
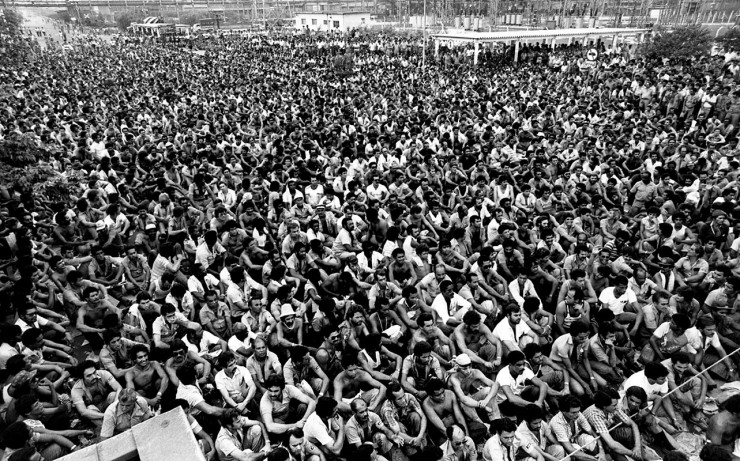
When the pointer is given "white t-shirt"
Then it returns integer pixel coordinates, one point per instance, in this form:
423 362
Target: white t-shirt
517 385
504 332
457 307
640 380
316 431
615 304
697 342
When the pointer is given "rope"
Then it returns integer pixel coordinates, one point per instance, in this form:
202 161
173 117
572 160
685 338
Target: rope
598 437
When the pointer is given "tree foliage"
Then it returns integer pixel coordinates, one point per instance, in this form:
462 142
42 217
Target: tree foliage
683 43
731 40
124 20
25 167
10 22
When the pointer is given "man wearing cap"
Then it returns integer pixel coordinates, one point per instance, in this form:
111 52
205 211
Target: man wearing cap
716 229
289 330
473 389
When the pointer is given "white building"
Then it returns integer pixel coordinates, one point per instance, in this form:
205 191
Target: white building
328 20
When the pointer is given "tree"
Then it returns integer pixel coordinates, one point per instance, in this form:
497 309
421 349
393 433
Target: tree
124 20
10 22
731 40
24 166
683 43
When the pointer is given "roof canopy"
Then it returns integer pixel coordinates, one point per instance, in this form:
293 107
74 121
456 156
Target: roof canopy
469 36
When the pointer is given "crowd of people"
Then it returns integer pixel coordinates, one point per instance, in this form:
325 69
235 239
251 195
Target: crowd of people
392 262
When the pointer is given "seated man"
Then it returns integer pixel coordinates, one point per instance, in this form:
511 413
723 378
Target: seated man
536 437
475 340
442 410
668 338
518 384
402 414
93 392
182 356
349 385
723 427
622 301
570 351
504 444
475 392
366 426
241 439
127 411
443 348
602 355
449 307
573 432
146 377
115 355
654 381
418 368
511 331
622 442
169 326
557 379
302 371
706 346
688 399
325 428
37 355
284 407
235 383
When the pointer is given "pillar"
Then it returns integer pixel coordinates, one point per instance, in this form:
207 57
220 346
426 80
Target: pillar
552 42
570 40
614 42
516 51
475 54
436 48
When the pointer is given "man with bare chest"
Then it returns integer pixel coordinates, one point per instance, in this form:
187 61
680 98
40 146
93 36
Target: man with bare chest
146 377
442 410
724 427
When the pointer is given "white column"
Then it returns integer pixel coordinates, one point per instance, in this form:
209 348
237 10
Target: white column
614 42
475 55
516 51
552 42
436 48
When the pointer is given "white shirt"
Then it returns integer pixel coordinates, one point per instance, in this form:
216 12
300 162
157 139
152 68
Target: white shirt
615 304
317 432
698 342
640 380
517 385
504 332
456 308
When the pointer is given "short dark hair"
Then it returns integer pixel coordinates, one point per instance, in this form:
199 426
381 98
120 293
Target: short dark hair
569 401
325 406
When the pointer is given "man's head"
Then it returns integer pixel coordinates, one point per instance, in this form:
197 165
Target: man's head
606 399
140 355
656 373
516 361
570 406
506 430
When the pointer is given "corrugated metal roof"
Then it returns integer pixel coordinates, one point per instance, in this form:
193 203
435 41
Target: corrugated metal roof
532 34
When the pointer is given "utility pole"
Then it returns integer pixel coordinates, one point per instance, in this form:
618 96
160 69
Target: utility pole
424 38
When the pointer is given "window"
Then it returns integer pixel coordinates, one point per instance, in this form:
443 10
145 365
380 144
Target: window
336 24
303 21
362 20
326 22
314 22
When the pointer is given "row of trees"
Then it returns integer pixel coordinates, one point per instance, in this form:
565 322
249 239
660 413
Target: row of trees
687 43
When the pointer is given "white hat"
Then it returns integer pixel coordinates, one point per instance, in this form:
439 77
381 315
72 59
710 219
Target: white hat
286 310
100 225
462 360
